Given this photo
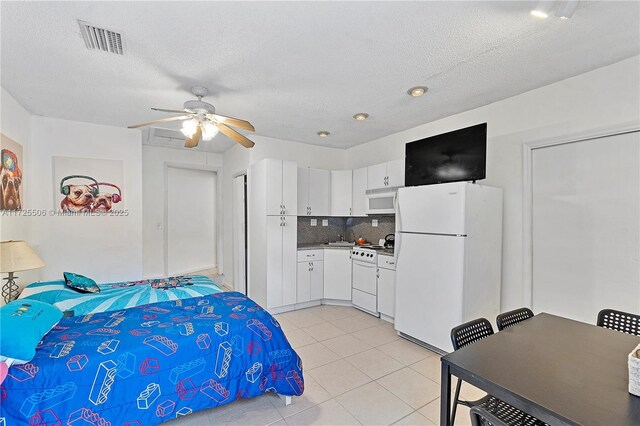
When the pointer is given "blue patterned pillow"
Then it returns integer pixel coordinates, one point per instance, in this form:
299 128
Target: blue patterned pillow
80 283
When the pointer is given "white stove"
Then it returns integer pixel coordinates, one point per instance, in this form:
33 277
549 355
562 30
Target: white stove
364 267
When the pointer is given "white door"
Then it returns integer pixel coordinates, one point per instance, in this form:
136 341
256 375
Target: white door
317 280
359 193
376 176
337 274
433 209
191 238
386 291
429 284
274 261
341 188
274 186
586 227
239 222
290 188
320 192
304 282
289 259
395 173
303 191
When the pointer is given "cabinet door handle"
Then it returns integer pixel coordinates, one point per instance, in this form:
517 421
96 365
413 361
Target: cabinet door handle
349 211
284 221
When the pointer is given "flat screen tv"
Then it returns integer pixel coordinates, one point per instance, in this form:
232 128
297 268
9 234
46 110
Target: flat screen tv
450 157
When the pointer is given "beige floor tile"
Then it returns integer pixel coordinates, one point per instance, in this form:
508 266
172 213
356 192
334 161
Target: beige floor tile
299 338
405 351
302 318
334 313
469 392
374 363
356 323
285 324
280 422
324 331
432 411
430 368
314 394
254 411
377 336
415 419
315 355
339 377
372 404
346 345
412 387
327 413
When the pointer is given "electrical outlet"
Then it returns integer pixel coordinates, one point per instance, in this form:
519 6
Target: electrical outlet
374 223
314 222
325 222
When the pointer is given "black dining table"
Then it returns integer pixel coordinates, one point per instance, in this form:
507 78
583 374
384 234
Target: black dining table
563 372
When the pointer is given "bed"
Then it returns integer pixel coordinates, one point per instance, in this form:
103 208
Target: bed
121 295
151 363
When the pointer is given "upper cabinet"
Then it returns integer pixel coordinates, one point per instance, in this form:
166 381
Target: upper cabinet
341 187
280 179
359 192
386 175
313 192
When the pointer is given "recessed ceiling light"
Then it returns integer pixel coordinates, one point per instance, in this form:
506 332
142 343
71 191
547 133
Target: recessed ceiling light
417 91
323 133
361 116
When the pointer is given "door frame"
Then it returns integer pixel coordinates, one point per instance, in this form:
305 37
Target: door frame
246 231
527 190
165 214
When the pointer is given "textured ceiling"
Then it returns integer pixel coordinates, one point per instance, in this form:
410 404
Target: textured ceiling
293 68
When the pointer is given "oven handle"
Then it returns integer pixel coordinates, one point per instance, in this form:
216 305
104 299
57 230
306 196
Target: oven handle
365 264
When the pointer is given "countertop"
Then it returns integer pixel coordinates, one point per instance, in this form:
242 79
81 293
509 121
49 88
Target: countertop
321 246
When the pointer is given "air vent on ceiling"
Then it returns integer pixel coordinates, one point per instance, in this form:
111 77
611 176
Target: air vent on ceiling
100 39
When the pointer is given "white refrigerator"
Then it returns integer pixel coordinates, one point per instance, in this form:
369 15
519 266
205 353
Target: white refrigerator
448 259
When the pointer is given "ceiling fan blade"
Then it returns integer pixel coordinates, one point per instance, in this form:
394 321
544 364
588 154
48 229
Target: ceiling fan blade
162 120
174 111
235 122
194 140
241 139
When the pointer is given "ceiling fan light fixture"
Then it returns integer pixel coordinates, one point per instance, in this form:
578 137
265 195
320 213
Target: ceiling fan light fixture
189 127
566 9
543 9
209 131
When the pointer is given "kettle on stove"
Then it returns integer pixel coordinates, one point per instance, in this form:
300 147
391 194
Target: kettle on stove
389 241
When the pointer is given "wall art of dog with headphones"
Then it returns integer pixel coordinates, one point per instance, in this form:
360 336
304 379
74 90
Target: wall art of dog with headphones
88 186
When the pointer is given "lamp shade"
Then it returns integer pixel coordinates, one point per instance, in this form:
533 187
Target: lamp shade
18 256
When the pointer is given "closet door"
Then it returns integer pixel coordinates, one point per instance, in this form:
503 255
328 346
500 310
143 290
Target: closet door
586 231
274 255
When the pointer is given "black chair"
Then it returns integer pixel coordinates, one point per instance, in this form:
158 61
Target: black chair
513 317
619 321
464 335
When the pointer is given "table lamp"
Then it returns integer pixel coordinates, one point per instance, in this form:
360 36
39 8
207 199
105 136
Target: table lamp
16 256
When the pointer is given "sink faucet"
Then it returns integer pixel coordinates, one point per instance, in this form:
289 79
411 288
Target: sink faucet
341 237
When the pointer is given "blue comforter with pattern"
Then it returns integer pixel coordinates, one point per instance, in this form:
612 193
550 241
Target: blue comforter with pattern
121 295
149 364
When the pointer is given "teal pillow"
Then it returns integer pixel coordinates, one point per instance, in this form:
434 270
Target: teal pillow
23 324
80 283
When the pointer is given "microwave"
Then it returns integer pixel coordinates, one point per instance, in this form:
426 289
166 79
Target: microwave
381 201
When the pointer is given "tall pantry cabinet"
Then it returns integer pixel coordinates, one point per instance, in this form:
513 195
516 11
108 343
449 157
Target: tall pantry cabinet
272 208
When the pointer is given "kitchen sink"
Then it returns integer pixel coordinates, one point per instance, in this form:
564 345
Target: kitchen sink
341 244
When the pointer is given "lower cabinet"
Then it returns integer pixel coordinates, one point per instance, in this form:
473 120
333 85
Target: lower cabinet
386 291
310 281
337 274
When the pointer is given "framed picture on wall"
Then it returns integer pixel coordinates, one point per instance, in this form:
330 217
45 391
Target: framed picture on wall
11 174
88 186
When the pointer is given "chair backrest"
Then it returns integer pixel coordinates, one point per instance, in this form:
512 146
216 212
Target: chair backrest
513 317
620 321
470 332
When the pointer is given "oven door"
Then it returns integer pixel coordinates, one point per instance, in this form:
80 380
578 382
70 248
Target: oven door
365 277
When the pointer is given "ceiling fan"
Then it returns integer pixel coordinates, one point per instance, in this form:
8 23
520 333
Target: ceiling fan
201 121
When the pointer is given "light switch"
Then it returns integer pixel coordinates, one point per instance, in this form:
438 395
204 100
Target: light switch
325 222
374 223
314 222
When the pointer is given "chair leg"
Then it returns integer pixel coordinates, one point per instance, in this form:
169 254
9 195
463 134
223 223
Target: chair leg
455 402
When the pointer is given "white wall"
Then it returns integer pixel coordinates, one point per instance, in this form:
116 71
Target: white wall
104 248
605 97
154 161
238 159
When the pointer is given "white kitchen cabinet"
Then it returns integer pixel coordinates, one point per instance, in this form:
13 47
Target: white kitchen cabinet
359 192
289 249
281 186
341 189
337 274
313 192
386 286
386 175
310 280
281 261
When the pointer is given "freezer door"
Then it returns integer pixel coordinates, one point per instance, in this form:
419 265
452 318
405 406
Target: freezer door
433 209
429 285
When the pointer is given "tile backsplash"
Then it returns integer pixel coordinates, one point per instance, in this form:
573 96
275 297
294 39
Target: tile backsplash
350 227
